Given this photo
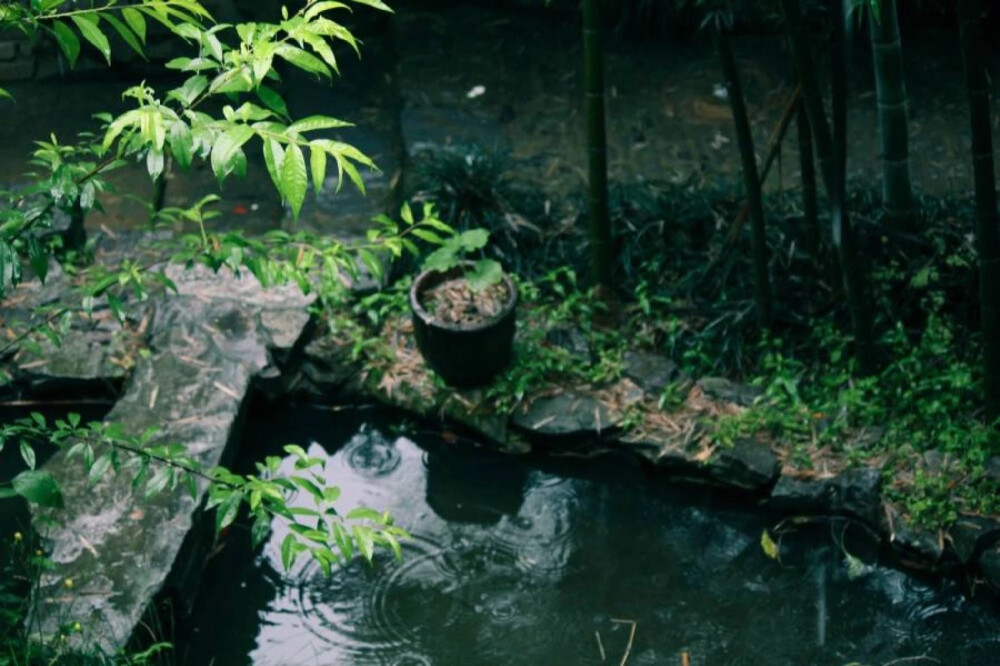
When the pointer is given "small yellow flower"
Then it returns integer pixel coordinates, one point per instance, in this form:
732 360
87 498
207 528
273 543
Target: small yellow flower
77 627
18 537
68 583
38 553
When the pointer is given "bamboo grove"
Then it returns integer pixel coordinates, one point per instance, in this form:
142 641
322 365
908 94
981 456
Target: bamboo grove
822 147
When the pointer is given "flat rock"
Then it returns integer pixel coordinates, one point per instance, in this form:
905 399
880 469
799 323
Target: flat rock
564 414
727 390
749 464
989 565
854 492
915 546
652 372
571 339
207 345
971 535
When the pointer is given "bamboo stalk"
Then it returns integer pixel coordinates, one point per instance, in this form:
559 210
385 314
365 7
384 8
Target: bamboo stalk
806 72
970 13
851 263
890 93
751 178
807 165
602 256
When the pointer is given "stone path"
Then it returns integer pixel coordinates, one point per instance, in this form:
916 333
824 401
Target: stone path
208 345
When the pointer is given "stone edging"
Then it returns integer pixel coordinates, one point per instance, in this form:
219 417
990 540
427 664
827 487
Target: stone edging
584 421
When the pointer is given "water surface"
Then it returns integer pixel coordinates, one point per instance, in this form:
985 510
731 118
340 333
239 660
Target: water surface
523 561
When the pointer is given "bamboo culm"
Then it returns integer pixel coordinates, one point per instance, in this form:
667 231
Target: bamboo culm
970 13
751 177
812 97
810 201
602 252
851 261
893 122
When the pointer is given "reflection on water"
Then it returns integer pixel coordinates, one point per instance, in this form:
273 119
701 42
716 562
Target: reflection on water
526 561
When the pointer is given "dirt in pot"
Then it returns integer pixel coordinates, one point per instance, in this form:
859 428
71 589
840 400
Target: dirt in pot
453 302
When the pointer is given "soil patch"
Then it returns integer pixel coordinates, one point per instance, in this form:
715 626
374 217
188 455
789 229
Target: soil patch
454 302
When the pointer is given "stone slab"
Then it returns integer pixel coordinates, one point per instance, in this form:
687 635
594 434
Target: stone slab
207 343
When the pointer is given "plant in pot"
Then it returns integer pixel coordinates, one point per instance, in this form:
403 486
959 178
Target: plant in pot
463 311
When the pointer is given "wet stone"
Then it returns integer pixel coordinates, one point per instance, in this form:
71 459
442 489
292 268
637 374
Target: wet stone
721 388
992 470
324 369
854 492
207 346
989 565
971 535
651 372
571 339
915 546
749 464
564 414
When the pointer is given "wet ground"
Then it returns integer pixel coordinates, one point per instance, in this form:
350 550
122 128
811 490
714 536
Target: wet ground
502 77
533 561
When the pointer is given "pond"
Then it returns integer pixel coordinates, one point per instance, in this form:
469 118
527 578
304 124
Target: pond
551 561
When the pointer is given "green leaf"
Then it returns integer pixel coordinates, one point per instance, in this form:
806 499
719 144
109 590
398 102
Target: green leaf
317 162
189 90
67 40
484 274
313 123
473 239
135 21
318 8
181 143
126 34
227 511
38 487
393 544
377 4
98 470
10 267
768 545
274 157
227 150
428 236
363 537
28 455
293 179
38 257
303 60
87 24
344 543
272 100
288 551
363 513
309 487
260 529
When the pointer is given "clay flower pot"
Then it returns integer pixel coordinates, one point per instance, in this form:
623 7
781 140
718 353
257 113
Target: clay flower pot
463 354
